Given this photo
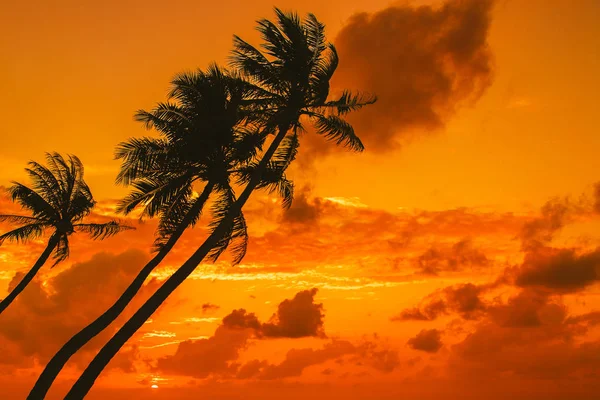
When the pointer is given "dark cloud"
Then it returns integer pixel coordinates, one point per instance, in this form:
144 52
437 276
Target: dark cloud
297 317
428 340
378 356
297 360
534 324
47 314
204 357
559 269
423 63
528 308
216 355
463 299
209 307
428 311
368 353
459 256
554 215
304 210
240 319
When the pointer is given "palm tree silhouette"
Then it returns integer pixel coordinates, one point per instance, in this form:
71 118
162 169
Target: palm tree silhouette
295 71
58 199
209 133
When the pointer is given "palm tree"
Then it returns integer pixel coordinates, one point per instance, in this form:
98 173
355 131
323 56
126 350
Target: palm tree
295 72
208 133
58 199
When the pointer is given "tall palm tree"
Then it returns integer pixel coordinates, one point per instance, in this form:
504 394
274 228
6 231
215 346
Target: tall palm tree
295 72
58 200
208 133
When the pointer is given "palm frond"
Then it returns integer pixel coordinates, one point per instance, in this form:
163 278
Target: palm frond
24 233
102 231
150 193
323 70
32 201
287 150
179 215
20 219
336 129
141 156
61 251
350 102
46 185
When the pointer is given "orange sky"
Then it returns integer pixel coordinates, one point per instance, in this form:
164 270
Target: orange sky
455 258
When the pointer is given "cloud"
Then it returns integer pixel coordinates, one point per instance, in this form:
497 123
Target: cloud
533 324
559 269
209 307
528 308
216 355
555 214
203 357
457 257
48 313
428 340
240 319
423 63
303 209
297 360
368 353
298 317
463 299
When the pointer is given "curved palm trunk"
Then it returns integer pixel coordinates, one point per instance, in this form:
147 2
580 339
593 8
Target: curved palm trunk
87 379
58 361
30 275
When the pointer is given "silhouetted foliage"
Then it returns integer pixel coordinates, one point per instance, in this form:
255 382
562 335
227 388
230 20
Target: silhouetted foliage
209 134
58 200
292 82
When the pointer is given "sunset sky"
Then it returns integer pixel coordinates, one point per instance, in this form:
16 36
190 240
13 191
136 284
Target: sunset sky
458 257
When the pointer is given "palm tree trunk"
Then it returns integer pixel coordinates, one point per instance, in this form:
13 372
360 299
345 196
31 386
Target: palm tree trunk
30 275
87 379
58 361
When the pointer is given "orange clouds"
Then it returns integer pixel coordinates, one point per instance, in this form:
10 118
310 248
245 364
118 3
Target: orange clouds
463 299
428 340
561 270
216 355
423 63
460 255
297 317
48 313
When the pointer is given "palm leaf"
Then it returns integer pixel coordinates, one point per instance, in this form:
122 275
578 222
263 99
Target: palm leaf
336 129
19 219
61 252
32 201
350 102
102 231
24 233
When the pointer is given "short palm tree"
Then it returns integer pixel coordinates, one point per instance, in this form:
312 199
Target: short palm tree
295 72
58 200
208 134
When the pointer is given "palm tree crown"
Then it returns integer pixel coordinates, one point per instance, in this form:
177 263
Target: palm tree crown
295 66
58 199
293 81
210 133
